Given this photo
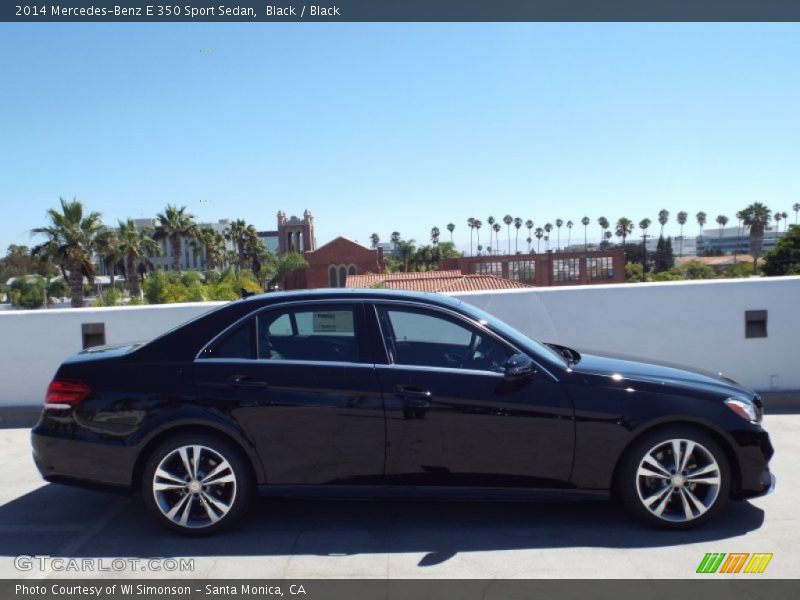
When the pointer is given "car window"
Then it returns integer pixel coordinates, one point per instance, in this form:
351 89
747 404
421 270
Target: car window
420 338
313 334
238 343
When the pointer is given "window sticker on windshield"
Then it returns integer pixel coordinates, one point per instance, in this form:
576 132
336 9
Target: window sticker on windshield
337 321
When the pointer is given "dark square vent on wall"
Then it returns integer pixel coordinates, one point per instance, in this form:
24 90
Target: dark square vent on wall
93 334
755 323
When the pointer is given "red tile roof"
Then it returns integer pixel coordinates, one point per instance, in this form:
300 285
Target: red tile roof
433 281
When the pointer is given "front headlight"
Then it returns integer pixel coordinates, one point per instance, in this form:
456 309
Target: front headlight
744 408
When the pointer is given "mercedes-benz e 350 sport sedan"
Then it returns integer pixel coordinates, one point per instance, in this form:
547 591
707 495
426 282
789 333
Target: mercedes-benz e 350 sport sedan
374 393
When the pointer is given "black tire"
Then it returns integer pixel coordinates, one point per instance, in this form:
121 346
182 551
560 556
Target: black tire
233 487
677 492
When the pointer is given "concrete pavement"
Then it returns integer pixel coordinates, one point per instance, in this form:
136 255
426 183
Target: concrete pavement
289 538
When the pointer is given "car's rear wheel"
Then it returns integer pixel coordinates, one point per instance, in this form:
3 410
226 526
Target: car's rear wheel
677 478
196 483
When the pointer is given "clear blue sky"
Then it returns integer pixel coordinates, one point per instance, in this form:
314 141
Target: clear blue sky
382 127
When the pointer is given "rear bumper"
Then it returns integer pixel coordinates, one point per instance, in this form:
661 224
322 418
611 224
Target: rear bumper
83 463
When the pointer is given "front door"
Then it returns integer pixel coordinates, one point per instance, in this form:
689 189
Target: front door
301 385
453 419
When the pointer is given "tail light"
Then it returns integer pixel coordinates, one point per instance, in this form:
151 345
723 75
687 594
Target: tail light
63 394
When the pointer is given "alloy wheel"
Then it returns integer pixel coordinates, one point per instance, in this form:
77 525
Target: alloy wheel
678 480
194 486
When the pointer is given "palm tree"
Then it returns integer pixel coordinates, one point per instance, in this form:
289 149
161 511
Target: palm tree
529 226
701 221
778 216
471 225
539 233
451 227
756 217
508 220
435 235
739 218
606 236
517 226
548 227
109 252
585 222
624 229
136 246
375 238
604 225
490 221
395 237
237 235
529 239
559 223
796 209
478 224
722 220
175 223
570 225
644 225
683 216
547 243
72 239
212 243
785 222
497 227
480 248
663 217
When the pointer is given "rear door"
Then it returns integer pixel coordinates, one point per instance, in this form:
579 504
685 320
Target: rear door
300 382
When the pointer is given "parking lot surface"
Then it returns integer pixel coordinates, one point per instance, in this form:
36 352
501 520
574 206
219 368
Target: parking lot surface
291 538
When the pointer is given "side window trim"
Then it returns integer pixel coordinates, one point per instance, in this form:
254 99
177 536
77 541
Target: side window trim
356 304
381 313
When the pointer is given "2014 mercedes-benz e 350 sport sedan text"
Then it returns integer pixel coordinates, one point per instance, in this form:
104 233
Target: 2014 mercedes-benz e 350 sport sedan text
374 393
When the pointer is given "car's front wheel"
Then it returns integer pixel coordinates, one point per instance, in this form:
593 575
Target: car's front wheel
676 478
196 483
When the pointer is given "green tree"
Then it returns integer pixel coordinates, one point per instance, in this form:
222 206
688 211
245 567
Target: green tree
435 235
756 217
517 226
72 240
174 224
694 269
634 273
135 247
624 228
605 224
784 258
212 244
585 222
683 216
559 225
375 239
451 227
109 251
663 260
663 218
539 234
796 209
508 220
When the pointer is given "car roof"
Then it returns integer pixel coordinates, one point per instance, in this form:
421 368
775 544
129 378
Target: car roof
352 293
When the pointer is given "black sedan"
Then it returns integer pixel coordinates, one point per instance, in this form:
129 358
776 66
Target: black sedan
372 393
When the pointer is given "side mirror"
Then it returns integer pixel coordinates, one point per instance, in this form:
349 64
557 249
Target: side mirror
519 367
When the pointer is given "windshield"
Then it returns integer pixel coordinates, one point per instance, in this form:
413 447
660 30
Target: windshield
537 348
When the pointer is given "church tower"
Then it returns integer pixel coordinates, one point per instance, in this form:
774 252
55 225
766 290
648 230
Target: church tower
295 234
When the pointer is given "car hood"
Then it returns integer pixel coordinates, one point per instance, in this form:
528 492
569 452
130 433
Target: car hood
652 371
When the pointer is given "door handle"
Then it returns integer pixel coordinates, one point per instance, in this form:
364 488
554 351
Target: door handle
243 381
408 391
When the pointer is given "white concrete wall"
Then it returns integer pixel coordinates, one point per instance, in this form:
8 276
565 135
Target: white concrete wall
34 343
695 323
